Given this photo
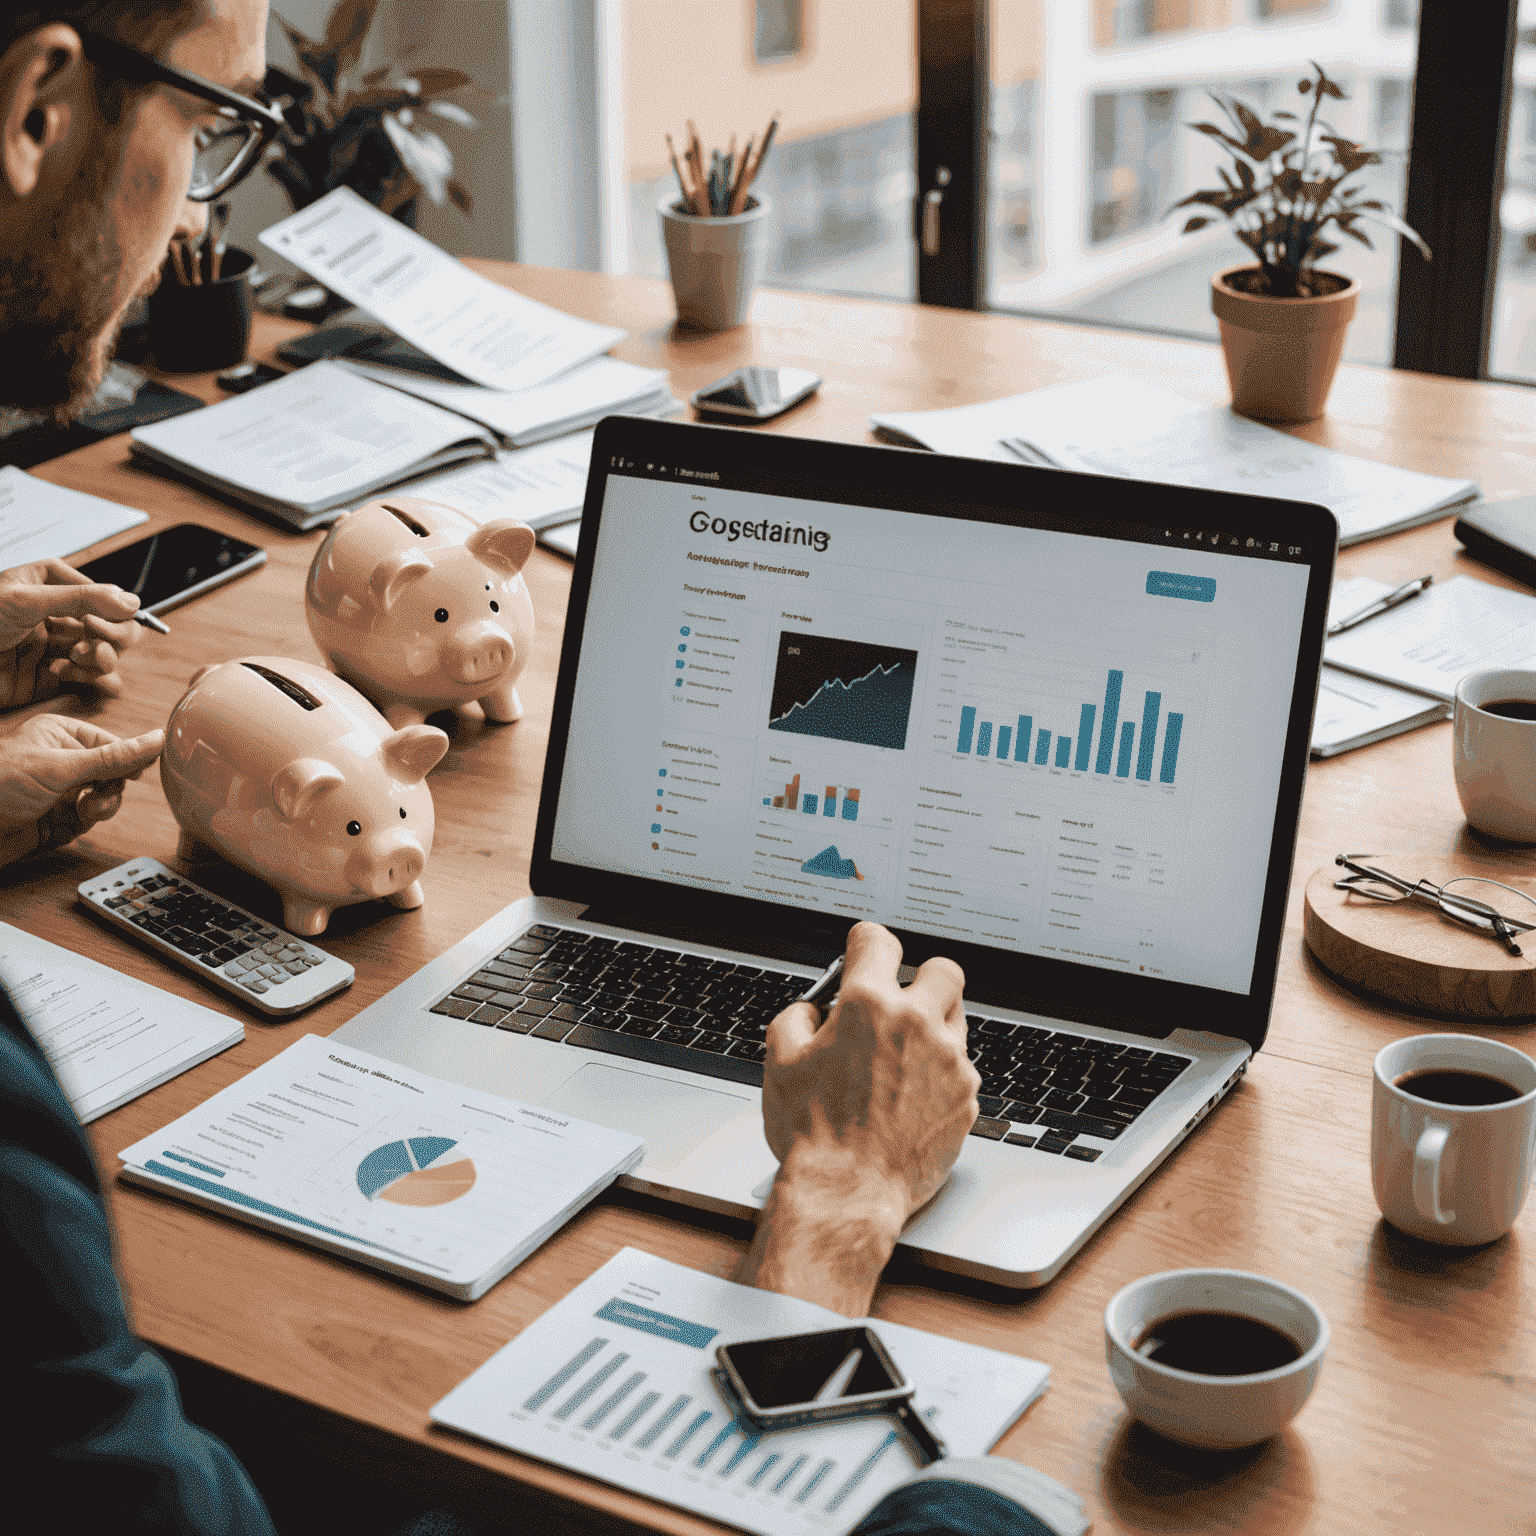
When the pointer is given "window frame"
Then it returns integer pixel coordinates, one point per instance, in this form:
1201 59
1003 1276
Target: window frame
1461 94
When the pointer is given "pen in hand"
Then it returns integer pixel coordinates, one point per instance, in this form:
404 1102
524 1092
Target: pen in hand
1389 600
822 993
149 621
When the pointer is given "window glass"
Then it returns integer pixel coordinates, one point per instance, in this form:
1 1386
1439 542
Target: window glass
1091 148
843 76
1512 338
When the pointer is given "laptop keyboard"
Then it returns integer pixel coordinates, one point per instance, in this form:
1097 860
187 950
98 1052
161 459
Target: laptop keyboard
1059 1092
1041 1088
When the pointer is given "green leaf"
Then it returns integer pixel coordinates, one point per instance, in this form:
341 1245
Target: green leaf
437 81
1304 86
345 31
458 195
1289 117
1358 234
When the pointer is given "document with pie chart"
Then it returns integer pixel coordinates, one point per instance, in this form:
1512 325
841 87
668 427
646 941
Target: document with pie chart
443 1185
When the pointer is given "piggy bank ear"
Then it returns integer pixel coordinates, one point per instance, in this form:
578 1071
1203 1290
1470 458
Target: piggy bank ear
503 543
299 784
414 751
394 573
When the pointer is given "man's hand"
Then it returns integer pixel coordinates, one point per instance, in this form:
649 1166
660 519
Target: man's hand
866 1114
59 776
57 626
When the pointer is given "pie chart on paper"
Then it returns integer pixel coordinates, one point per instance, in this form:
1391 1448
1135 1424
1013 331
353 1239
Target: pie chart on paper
420 1170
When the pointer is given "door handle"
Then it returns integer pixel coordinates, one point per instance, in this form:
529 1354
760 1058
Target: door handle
931 203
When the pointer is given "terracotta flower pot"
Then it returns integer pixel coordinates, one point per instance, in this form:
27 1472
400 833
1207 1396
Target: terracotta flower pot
1281 353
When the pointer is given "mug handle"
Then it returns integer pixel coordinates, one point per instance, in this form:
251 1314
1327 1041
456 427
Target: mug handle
1426 1175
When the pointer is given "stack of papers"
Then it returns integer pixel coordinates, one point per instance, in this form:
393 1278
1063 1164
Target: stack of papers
616 1382
1118 425
306 447
443 1185
580 398
107 1036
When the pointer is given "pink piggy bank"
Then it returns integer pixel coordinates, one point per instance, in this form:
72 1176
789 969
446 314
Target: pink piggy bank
291 773
422 609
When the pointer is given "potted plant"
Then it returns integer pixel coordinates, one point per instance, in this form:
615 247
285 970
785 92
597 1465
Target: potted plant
368 133
1283 321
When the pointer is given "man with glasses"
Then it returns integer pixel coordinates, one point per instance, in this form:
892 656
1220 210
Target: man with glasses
110 111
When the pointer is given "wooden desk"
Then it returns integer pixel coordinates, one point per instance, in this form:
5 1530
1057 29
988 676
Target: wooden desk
1423 1419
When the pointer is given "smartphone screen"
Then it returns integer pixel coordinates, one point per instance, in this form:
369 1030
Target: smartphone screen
827 1368
173 563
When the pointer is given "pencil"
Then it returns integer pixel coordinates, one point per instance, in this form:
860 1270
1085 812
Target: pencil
739 186
174 251
677 171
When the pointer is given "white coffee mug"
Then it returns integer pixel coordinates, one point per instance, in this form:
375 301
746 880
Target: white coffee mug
1214 1412
1495 756
1452 1173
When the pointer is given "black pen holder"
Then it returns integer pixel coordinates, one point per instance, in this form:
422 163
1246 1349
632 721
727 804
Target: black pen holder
196 327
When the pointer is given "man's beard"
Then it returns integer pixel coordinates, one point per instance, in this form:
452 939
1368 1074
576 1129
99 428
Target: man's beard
59 306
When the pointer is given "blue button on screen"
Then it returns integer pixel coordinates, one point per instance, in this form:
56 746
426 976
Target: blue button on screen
1196 589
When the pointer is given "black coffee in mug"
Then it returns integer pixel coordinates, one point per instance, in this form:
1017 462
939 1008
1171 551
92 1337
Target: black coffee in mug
1438 1085
1511 709
1217 1344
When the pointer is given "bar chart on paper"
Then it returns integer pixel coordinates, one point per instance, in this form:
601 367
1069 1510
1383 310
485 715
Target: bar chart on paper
624 1389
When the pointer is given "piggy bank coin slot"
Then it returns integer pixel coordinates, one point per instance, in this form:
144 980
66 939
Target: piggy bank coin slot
300 696
406 518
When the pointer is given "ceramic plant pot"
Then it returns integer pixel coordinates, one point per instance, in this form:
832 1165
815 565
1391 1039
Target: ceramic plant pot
1281 353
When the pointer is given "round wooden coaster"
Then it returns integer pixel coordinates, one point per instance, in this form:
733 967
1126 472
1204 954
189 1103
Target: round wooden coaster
1412 953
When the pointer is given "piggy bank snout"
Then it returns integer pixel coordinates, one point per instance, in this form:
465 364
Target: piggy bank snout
477 653
386 863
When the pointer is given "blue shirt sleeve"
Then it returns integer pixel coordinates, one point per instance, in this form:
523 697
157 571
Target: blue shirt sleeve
941 1506
98 1439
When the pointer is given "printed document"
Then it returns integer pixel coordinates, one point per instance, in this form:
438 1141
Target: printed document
1430 644
580 398
308 444
1118 425
39 519
541 486
445 1185
616 1381
474 326
107 1036
1354 711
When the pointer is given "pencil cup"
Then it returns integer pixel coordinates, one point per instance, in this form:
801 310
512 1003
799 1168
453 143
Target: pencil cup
197 327
716 264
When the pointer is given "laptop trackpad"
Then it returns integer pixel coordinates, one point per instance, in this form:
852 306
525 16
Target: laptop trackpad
673 1117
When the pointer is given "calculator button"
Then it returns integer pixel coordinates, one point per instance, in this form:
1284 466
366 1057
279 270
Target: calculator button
255 984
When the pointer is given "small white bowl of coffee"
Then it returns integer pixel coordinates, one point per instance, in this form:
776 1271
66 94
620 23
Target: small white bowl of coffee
1216 1358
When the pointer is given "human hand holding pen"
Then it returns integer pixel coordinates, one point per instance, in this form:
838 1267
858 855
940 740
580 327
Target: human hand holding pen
1388 600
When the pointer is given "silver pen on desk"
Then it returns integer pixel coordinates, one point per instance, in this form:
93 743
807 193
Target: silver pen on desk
1402 594
149 621
823 991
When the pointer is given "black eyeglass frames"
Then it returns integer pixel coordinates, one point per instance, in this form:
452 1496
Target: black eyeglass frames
227 150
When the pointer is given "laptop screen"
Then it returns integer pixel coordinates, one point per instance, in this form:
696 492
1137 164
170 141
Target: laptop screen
1023 730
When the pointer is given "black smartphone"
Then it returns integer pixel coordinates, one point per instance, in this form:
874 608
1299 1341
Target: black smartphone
246 376
175 564
755 394
807 1377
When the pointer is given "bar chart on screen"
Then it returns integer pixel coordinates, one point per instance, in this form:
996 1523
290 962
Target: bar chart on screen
618 1381
1044 705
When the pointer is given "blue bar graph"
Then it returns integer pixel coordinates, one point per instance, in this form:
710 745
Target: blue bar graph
967 725
1112 751
612 1401
815 1480
695 1424
850 808
663 1424
702 1459
740 1454
789 1475
634 1415
1148 734
808 804
1171 733
1111 717
769 1463
590 1386
1085 736
563 1375
829 805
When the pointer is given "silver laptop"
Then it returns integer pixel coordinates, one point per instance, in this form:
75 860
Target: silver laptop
1052 725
